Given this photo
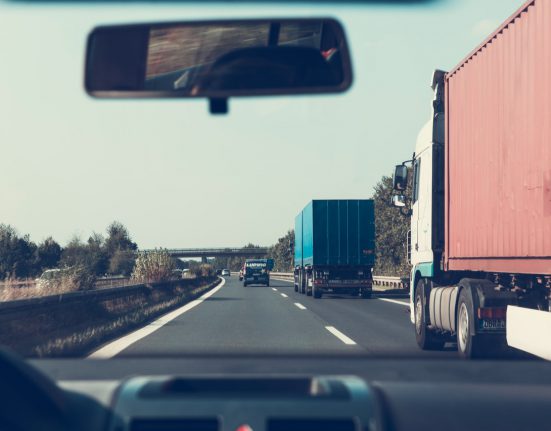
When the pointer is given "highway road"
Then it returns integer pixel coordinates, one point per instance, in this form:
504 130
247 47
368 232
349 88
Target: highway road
260 319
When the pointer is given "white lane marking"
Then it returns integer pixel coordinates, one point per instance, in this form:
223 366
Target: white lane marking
394 301
274 289
340 335
299 305
285 296
117 346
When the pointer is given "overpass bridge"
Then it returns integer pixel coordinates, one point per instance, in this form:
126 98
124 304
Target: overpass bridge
204 253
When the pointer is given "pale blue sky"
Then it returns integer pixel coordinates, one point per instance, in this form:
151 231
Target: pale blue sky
178 177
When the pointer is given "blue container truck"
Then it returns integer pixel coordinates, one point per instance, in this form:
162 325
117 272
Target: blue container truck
335 247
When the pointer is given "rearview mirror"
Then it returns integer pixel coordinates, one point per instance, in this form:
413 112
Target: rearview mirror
400 180
218 59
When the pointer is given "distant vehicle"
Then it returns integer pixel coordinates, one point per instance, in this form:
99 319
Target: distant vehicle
177 273
48 277
335 247
256 271
226 272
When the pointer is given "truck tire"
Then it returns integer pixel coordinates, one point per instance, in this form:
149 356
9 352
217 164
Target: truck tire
316 293
468 345
426 339
296 287
365 294
244 284
268 283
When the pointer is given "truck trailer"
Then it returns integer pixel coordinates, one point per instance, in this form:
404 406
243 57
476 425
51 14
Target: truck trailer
334 248
480 241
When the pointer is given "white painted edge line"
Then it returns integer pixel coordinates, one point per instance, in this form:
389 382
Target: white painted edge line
394 301
299 305
274 289
117 346
340 335
282 294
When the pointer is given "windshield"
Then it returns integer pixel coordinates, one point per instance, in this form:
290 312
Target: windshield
110 199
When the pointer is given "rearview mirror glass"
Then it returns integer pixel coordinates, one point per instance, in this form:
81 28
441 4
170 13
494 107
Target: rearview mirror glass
400 180
218 59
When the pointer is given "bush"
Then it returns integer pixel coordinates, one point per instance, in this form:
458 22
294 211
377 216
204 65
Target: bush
203 270
122 262
78 278
153 266
69 279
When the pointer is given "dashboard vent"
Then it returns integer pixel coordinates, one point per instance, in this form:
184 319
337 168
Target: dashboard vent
282 424
174 425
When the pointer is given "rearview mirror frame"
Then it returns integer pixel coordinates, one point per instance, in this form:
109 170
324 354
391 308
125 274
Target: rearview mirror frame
126 46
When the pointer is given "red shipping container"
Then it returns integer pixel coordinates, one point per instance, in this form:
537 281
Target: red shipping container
498 150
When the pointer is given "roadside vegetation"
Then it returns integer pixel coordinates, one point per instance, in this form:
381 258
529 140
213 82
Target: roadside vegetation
153 266
77 266
391 230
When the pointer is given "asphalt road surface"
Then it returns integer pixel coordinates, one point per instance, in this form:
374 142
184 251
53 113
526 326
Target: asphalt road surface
262 319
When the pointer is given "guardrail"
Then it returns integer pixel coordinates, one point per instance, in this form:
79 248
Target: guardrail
282 275
382 281
101 282
395 282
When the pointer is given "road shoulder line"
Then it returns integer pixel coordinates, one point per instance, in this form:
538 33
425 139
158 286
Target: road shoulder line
115 347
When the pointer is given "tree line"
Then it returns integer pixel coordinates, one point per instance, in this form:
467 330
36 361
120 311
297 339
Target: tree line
113 253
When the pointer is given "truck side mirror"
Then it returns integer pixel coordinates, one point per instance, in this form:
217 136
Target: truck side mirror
400 180
399 201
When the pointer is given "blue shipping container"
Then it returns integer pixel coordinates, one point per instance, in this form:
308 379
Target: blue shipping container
336 233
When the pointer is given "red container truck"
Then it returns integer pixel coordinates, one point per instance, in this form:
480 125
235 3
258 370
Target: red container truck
481 202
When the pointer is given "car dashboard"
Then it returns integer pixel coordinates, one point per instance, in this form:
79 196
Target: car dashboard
348 394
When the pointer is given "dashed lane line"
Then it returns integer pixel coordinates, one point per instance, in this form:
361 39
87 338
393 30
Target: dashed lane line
346 340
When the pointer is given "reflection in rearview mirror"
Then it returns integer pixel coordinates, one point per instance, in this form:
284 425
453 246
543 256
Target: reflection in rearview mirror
400 180
218 59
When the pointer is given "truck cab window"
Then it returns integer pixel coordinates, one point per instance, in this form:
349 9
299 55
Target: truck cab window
416 178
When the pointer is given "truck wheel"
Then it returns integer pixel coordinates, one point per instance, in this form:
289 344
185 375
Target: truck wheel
316 293
296 287
268 283
365 294
468 346
426 339
244 284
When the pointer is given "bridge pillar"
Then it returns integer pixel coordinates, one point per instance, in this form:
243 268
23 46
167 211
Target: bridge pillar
204 259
